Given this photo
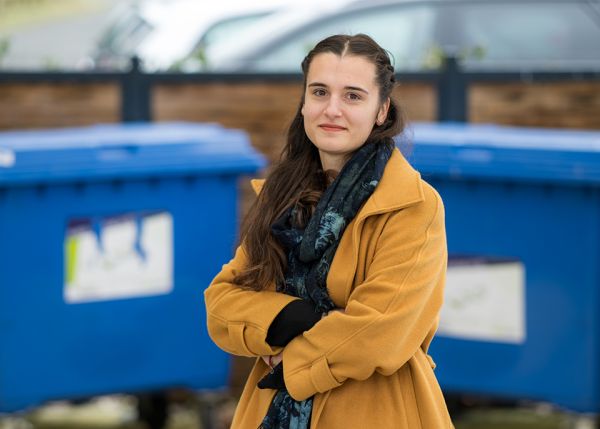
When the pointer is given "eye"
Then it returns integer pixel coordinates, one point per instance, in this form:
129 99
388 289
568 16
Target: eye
353 96
319 92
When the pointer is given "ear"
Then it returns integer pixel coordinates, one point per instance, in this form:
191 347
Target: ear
383 111
302 109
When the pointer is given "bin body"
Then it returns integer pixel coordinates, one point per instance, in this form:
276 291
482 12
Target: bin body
170 191
530 197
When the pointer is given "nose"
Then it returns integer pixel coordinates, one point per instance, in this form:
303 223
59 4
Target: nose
332 109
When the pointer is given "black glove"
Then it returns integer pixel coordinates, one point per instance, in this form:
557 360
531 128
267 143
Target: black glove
295 318
274 379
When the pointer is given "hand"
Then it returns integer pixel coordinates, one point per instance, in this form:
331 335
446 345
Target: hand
272 361
335 310
273 379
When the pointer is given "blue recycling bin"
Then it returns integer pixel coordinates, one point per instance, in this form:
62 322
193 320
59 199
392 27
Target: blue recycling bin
108 236
521 317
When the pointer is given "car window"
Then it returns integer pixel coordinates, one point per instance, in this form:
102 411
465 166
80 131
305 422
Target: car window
403 31
224 31
229 27
529 34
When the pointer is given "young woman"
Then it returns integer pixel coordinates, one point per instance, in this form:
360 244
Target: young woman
338 283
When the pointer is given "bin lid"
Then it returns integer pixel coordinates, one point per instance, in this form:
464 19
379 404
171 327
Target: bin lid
121 151
503 152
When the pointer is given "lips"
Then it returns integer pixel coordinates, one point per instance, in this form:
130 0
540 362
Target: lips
331 127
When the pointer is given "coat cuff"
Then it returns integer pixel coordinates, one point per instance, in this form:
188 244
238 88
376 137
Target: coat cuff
306 382
250 337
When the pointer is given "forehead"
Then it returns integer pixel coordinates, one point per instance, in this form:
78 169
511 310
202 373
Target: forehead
341 71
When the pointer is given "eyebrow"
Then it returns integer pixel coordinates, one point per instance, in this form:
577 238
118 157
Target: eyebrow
352 88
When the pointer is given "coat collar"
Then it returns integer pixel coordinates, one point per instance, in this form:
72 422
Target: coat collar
400 186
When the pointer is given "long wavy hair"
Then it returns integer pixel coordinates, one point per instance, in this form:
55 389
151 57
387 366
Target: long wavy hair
297 178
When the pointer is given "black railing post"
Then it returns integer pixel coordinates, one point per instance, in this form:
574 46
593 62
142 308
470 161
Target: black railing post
452 92
135 94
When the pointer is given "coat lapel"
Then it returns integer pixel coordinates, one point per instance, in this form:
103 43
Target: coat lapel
400 186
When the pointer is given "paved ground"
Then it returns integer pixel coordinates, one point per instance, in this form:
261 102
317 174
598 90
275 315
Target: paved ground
119 412
53 34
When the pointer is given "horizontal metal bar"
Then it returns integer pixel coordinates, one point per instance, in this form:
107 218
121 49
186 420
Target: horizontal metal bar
225 77
15 76
432 77
533 76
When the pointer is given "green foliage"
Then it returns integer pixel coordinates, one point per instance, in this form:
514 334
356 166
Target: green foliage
196 61
436 56
51 64
4 47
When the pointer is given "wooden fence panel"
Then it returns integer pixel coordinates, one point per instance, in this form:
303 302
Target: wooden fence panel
536 104
262 109
62 104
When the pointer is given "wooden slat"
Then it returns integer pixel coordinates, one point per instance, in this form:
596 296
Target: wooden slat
418 100
264 110
553 105
44 105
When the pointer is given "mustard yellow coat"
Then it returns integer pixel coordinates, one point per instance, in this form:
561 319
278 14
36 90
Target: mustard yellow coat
368 366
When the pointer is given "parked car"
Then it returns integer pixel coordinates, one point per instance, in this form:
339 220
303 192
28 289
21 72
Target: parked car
485 34
161 32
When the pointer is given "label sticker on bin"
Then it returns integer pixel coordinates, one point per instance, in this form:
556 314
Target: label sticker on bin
7 158
484 301
121 256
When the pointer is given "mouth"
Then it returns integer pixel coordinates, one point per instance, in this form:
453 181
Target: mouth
331 127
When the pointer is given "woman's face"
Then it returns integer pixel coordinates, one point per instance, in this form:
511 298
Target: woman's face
341 106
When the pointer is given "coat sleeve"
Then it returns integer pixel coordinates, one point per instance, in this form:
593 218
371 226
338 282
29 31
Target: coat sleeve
388 316
238 319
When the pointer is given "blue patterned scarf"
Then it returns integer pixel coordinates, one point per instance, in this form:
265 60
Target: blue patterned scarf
311 250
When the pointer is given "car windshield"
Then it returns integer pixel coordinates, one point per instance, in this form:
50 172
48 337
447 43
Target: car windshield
225 31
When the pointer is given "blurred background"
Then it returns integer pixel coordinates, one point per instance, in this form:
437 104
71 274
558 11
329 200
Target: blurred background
503 101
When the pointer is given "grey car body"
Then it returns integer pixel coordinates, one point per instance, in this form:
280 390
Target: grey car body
484 34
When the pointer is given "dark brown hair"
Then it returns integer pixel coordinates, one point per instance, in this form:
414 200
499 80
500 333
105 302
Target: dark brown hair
298 179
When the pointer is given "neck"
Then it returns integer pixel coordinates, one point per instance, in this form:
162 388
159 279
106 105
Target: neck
331 162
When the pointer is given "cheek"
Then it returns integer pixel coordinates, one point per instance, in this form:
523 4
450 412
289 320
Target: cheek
310 111
363 120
